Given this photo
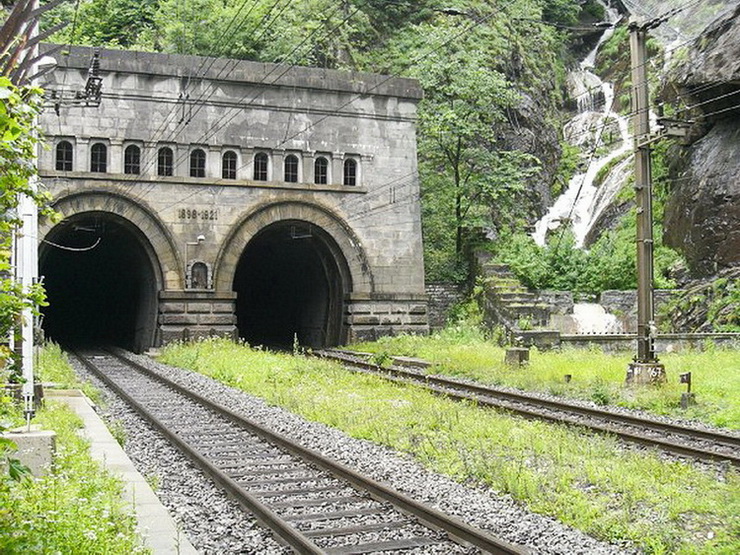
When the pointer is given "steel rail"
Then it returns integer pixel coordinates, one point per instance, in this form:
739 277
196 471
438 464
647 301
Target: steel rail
493 397
455 528
291 536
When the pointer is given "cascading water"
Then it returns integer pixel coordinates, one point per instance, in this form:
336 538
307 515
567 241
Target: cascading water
596 127
592 318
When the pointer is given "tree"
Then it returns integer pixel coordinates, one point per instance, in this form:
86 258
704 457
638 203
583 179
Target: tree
18 109
116 23
468 179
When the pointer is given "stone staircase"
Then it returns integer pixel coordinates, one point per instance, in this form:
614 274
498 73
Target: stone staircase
508 303
513 302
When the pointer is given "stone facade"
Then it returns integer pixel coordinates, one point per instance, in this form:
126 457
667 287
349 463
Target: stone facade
195 159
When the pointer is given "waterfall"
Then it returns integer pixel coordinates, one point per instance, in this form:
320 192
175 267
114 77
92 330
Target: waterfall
592 318
596 127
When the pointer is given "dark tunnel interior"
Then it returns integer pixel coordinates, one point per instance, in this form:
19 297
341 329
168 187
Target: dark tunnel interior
288 285
104 295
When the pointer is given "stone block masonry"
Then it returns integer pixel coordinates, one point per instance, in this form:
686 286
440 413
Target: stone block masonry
187 315
372 317
442 297
214 183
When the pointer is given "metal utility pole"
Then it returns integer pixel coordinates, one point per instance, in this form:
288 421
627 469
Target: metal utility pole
645 368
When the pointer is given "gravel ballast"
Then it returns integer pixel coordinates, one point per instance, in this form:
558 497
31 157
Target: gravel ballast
215 524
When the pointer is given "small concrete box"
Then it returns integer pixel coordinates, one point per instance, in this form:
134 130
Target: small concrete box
516 356
35 449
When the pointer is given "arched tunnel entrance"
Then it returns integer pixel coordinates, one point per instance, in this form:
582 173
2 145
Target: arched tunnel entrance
290 282
100 281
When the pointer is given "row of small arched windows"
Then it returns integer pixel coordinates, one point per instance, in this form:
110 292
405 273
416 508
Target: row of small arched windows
197 166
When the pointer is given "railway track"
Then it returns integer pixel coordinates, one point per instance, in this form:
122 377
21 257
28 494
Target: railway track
311 503
672 438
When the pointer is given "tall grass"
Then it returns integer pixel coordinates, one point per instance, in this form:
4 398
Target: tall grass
52 367
587 481
596 376
77 508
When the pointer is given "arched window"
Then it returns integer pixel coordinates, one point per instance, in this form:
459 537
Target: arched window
132 159
197 163
291 168
228 165
165 160
64 156
350 172
321 171
99 158
260 166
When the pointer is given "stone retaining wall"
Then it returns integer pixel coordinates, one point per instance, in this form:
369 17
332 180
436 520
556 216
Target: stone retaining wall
186 315
369 317
442 297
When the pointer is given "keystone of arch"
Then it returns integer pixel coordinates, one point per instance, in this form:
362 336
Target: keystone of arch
142 217
319 216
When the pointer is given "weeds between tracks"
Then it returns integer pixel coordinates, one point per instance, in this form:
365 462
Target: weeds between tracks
587 481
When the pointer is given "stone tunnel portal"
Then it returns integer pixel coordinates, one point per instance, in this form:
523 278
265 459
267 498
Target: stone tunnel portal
100 281
290 283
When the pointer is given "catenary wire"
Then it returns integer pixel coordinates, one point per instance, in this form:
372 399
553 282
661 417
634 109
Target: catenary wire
184 156
476 23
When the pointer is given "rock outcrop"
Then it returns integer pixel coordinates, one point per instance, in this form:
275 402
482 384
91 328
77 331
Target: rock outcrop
702 217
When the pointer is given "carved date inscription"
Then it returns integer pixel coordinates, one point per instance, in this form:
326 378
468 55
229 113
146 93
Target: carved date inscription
197 214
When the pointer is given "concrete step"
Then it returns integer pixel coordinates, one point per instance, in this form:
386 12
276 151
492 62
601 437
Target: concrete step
505 282
516 296
494 269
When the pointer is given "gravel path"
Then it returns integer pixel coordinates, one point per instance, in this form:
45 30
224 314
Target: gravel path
214 524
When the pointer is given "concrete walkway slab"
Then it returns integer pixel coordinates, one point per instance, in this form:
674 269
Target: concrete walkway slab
154 524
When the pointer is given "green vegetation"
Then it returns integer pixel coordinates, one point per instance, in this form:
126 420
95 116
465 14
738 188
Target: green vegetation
53 367
569 160
596 377
18 108
713 306
77 508
487 67
609 263
586 481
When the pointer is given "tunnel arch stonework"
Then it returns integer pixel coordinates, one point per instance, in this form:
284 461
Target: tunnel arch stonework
348 244
160 243
115 240
369 226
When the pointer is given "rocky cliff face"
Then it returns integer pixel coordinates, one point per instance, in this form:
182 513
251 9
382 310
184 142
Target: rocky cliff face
702 217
